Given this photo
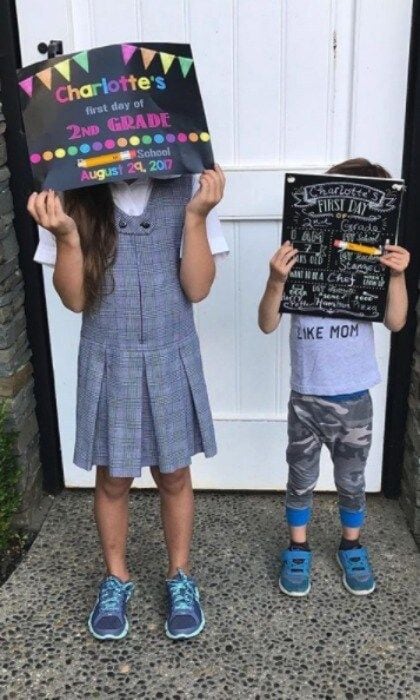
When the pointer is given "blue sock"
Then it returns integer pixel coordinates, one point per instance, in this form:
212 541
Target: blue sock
296 517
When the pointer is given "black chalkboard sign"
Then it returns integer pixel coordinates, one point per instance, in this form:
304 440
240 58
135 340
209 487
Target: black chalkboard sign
322 215
114 113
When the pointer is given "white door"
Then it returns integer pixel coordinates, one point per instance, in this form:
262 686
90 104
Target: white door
287 85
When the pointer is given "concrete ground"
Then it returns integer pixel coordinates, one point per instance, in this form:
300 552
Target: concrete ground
257 644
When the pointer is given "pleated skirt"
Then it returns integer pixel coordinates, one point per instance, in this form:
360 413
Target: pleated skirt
138 407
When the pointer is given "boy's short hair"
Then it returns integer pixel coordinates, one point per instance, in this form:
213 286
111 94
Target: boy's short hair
358 166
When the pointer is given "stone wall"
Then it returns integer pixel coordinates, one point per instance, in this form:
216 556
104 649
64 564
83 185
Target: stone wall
410 486
16 382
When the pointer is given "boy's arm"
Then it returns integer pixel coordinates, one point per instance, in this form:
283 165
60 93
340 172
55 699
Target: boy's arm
397 259
280 265
68 279
197 263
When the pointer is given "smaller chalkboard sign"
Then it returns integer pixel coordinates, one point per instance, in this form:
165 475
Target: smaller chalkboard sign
339 224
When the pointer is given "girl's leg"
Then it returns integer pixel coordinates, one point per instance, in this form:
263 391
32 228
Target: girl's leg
177 511
111 516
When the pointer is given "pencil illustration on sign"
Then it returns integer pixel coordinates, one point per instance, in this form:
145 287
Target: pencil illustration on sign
112 113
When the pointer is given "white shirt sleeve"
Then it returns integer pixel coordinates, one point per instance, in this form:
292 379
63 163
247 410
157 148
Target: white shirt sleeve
217 241
46 252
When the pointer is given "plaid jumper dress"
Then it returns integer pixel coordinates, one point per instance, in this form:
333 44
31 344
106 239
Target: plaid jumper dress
142 398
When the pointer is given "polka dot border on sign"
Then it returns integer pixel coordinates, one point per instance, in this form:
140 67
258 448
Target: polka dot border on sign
121 142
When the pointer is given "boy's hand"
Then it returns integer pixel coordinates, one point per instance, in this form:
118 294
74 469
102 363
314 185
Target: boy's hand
282 262
210 192
47 210
396 258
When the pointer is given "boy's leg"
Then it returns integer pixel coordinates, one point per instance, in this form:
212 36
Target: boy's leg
302 455
177 512
303 452
350 452
111 516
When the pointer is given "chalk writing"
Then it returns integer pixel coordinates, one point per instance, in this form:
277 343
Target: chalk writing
325 280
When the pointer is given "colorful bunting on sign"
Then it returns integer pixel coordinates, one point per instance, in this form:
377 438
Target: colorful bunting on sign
45 77
167 60
147 56
64 68
27 85
82 60
185 64
127 52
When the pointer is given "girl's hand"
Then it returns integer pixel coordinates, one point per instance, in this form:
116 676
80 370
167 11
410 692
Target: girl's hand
212 185
47 210
282 262
396 258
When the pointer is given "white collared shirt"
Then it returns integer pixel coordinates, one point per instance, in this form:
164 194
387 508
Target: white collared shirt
132 198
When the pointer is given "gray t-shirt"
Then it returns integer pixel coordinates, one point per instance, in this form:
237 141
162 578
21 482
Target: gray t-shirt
332 356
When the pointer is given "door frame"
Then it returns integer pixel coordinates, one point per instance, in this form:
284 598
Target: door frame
402 343
21 185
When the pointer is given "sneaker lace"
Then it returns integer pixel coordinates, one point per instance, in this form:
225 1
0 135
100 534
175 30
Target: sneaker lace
297 565
111 596
182 594
358 562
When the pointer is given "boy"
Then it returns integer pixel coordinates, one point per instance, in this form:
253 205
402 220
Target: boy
328 409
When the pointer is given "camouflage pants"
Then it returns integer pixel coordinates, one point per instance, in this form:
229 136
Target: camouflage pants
346 429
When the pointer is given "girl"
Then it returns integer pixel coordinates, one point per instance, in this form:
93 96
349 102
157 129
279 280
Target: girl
141 398
330 408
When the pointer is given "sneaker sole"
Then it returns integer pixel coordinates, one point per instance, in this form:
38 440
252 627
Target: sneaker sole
104 637
183 635
348 588
294 594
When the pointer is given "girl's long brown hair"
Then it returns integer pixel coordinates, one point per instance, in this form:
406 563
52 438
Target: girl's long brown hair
359 166
92 208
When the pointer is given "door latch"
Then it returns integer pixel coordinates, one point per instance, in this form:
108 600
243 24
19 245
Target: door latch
54 48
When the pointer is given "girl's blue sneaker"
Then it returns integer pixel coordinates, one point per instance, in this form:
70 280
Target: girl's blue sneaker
295 572
108 619
185 616
357 570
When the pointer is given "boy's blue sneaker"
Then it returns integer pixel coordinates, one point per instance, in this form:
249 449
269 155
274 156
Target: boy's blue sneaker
357 570
108 619
185 616
295 572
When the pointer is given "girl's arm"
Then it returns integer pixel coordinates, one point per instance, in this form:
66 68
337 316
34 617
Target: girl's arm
397 259
197 264
280 265
47 210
